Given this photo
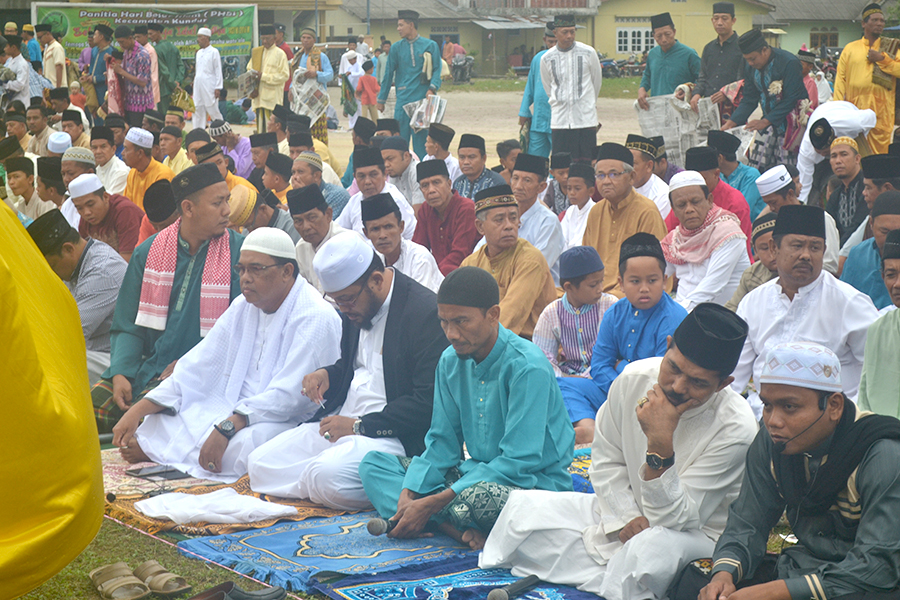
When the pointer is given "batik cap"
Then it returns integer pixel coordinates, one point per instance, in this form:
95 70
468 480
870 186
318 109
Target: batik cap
803 364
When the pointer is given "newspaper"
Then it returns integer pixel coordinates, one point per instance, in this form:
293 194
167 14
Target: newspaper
680 127
424 112
246 84
309 99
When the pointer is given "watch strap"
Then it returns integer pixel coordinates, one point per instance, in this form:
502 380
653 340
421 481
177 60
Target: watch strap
228 433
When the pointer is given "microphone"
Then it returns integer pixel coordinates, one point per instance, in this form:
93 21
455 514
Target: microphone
514 589
380 526
779 447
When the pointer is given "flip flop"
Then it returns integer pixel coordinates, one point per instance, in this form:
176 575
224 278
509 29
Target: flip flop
160 581
117 582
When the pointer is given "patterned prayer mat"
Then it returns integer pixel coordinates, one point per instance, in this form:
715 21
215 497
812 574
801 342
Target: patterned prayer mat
457 578
287 554
116 481
580 471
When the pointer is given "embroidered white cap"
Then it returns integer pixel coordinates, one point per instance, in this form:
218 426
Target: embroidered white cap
803 364
342 260
140 137
351 54
205 31
685 179
773 180
271 241
84 184
59 142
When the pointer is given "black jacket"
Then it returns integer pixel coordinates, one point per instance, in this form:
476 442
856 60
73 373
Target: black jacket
413 343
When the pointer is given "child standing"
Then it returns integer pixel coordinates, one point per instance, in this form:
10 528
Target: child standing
367 92
567 330
579 187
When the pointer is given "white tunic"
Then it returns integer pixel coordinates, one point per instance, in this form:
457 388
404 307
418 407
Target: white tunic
573 538
657 190
827 312
574 222
208 76
114 175
70 212
351 216
713 280
572 80
452 165
416 262
250 363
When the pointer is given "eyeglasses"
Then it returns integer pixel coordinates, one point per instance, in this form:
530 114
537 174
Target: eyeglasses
348 303
254 270
613 175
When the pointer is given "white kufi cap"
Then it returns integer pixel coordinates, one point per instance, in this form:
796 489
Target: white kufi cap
140 137
84 184
59 142
685 179
205 31
803 364
773 180
271 241
342 260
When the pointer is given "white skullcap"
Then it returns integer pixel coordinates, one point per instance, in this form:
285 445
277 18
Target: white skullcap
85 184
140 137
59 142
271 241
685 179
351 54
205 31
803 364
773 180
342 260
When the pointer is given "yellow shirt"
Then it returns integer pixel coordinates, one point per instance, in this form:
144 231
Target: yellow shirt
232 180
25 142
138 181
273 65
179 162
55 55
526 285
608 227
83 141
282 195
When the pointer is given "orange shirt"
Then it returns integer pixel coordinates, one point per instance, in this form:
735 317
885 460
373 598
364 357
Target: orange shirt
138 182
368 88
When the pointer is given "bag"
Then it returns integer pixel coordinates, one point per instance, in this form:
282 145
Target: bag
181 99
90 92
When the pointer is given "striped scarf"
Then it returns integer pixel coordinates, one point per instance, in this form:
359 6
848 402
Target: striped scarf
694 246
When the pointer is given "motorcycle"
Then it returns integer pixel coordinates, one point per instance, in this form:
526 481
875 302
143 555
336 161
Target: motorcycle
461 67
828 65
610 67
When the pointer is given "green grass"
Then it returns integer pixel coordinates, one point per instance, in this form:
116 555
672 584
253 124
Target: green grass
625 87
115 543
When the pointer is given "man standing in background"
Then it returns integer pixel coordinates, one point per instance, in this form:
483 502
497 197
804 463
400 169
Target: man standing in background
272 71
171 67
535 95
207 80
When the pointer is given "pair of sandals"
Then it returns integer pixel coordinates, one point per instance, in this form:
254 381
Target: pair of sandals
118 582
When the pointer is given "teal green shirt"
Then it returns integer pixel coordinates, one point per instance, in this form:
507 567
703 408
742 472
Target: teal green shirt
665 71
171 67
404 70
141 354
510 413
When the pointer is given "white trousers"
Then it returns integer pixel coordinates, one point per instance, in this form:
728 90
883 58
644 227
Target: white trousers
97 363
300 463
542 533
200 113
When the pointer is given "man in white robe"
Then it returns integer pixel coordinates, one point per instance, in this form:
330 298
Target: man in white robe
803 304
238 387
667 461
207 80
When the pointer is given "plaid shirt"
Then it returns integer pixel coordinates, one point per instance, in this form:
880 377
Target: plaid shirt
38 83
137 63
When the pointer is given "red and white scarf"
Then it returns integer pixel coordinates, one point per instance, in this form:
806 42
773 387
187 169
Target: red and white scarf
693 246
159 278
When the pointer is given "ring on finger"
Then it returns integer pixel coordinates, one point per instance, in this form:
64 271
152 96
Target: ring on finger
643 401
327 435
210 465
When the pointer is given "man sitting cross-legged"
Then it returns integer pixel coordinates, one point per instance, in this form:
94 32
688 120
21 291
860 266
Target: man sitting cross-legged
497 394
667 459
237 388
377 396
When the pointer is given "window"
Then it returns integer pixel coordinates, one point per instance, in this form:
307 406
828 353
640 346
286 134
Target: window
823 38
634 39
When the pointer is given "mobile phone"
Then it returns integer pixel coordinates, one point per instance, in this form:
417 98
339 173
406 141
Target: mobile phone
158 473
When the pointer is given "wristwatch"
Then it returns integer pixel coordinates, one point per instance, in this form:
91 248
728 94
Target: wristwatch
226 428
358 427
657 462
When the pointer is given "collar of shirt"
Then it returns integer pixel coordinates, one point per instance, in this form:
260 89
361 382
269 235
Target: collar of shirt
495 355
805 290
183 245
576 311
77 272
532 210
386 305
730 41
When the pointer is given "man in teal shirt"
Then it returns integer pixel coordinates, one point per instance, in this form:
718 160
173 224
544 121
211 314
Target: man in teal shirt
407 71
171 67
736 174
539 141
669 64
145 344
495 392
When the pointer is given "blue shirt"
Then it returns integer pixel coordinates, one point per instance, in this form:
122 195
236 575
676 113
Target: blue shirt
743 179
665 71
323 76
863 271
347 177
34 51
404 71
535 96
468 189
628 334
509 412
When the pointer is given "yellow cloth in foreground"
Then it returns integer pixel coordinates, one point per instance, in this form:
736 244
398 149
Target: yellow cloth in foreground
50 473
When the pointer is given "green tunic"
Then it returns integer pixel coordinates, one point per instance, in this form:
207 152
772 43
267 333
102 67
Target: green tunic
171 67
879 390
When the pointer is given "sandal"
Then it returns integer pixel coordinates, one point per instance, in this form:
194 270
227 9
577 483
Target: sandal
117 582
160 581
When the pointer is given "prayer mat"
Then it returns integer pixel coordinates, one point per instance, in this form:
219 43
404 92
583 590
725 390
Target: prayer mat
116 481
122 508
288 554
580 470
457 578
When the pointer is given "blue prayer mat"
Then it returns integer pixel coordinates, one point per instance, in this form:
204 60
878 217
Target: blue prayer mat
580 470
287 554
454 578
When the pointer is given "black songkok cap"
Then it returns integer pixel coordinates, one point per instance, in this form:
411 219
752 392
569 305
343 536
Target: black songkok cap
712 337
751 41
441 134
207 151
42 27
661 20
724 143
49 231
470 140
305 199
60 93
871 10
282 112
891 247
123 31
469 286
641 144
430 168
269 198
153 27
20 163
304 121
175 132
260 140
303 138
640 244
887 203
723 8
266 30
114 120
560 160
584 171
881 166
193 179
408 15
612 151
363 156
154 116
531 164
563 21
894 149
9 146
392 125
49 168
800 219
807 56
701 159
763 224
73 116
140 29
159 201
105 30
365 128
660 144
14 117
281 164
395 142
200 135
377 206
102 132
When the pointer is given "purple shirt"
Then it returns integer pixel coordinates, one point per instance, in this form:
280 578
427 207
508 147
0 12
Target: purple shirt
137 63
243 164
84 60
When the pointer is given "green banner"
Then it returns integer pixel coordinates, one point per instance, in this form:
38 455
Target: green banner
231 25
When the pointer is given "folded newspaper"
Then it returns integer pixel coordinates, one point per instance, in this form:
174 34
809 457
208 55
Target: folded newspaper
246 83
309 99
424 112
677 123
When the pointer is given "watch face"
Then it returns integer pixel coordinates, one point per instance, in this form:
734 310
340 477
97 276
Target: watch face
654 461
226 426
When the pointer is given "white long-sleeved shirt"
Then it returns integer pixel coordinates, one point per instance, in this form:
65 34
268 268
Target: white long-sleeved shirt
572 80
208 76
19 87
452 165
574 222
657 190
827 312
416 262
713 280
351 216
114 175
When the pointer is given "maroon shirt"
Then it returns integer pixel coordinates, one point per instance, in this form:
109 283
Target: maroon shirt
452 239
119 228
725 196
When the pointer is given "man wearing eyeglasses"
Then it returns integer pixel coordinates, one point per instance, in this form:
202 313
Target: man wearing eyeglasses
236 389
620 214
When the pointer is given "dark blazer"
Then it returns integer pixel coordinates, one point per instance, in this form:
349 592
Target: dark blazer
413 343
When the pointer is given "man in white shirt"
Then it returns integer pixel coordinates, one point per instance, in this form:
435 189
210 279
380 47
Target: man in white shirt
646 182
803 304
383 225
345 61
400 165
579 188
207 80
111 170
437 146
368 170
237 388
571 76
667 461
18 88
